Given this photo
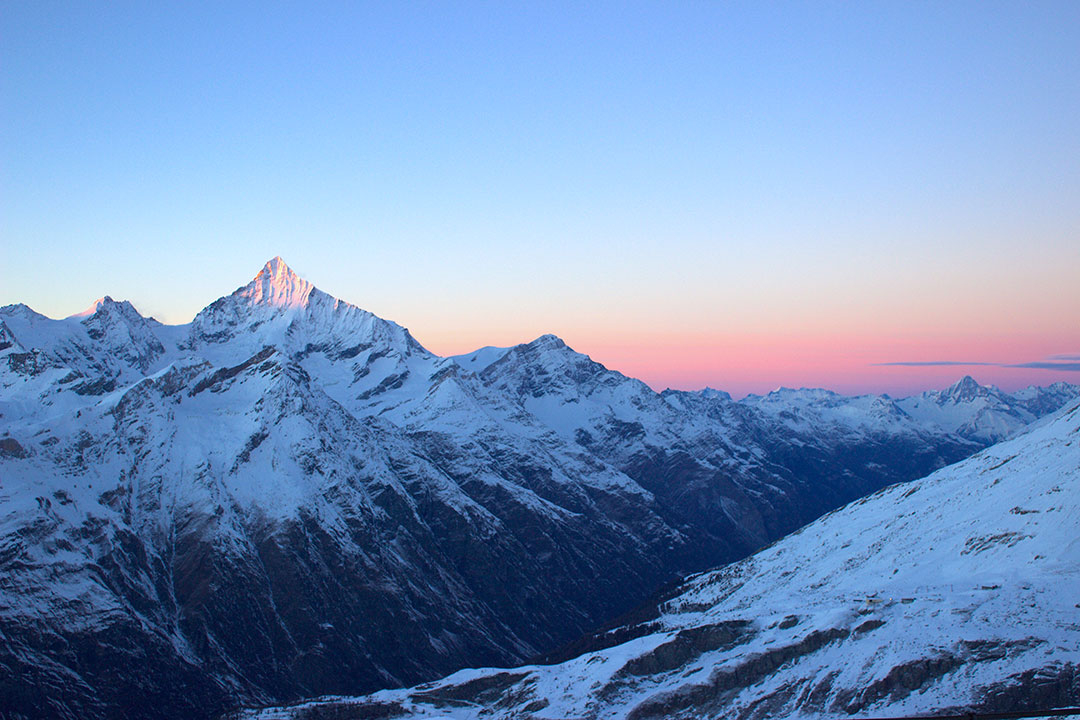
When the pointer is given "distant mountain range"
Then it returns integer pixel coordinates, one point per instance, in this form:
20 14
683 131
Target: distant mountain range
290 496
986 414
953 594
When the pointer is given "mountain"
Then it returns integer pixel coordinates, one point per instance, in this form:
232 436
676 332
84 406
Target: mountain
984 413
736 471
253 518
290 496
952 594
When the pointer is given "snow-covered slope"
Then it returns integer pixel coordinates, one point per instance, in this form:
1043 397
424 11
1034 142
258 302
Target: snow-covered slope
268 514
957 593
291 496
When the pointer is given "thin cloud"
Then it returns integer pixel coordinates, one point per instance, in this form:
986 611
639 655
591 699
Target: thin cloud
1069 366
932 363
1067 363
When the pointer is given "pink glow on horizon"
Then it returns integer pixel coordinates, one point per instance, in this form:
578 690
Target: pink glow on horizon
846 365
849 364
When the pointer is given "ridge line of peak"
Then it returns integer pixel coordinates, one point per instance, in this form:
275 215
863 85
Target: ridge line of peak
276 284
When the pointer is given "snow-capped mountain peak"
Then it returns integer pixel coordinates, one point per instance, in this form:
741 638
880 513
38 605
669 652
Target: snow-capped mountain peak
965 389
105 308
94 306
710 393
983 412
548 340
277 285
267 304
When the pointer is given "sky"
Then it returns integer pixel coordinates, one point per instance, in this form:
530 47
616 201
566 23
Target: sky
740 195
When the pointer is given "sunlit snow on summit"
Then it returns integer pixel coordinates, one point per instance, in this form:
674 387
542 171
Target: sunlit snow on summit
277 285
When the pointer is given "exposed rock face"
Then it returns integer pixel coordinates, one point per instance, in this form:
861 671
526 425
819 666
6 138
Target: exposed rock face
952 594
291 497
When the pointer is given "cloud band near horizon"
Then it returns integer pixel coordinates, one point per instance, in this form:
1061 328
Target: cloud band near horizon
1054 362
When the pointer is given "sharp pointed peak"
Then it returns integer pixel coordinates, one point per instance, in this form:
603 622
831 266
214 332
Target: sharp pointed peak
277 268
278 285
276 264
965 389
965 384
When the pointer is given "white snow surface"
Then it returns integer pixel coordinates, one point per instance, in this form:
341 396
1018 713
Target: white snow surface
981 412
62 383
976 568
181 417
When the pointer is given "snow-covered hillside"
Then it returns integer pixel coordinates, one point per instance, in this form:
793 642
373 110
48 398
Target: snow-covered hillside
958 592
290 496
256 517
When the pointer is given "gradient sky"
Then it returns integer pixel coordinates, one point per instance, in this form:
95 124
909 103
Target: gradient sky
740 195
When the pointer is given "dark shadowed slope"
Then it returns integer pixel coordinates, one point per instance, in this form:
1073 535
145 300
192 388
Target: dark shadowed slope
954 593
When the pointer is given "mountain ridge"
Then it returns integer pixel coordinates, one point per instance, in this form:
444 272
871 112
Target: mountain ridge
277 287
952 594
286 481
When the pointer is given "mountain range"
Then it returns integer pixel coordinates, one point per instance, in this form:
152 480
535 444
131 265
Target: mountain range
955 594
290 497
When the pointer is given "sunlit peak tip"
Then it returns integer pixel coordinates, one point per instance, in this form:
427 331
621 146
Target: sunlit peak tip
276 266
94 307
277 284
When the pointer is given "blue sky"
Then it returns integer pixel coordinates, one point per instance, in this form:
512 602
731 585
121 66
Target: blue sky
701 175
